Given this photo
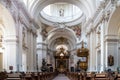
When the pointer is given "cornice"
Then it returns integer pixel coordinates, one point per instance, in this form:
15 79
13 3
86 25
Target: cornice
41 49
40 43
102 14
111 38
22 8
22 12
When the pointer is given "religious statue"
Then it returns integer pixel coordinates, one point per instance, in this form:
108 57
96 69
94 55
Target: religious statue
110 60
78 67
44 67
61 12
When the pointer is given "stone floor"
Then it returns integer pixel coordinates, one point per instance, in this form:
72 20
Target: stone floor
61 77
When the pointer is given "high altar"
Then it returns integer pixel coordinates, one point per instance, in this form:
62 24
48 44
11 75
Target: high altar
61 60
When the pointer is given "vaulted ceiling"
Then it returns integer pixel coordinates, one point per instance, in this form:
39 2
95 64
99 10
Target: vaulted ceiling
35 6
54 31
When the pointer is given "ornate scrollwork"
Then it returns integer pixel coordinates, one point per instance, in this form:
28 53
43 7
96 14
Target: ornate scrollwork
83 53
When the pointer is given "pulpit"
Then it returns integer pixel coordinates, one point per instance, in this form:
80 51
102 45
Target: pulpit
82 53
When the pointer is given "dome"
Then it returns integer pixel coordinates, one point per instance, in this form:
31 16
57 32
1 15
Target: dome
61 12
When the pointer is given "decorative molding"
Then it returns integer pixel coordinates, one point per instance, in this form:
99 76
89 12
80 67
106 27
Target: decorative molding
20 13
25 47
41 49
111 38
98 46
41 43
11 40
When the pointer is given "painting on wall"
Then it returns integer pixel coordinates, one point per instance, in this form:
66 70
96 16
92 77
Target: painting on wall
77 30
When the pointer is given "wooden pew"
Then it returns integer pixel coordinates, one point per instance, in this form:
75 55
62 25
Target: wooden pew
101 76
89 75
74 75
3 75
36 75
117 77
29 76
14 76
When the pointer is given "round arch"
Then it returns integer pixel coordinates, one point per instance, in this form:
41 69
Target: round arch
7 25
6 20
114 23
60 32
83 5
112 37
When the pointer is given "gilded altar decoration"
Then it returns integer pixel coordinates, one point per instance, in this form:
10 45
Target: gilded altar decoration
110 60
61 60
82 53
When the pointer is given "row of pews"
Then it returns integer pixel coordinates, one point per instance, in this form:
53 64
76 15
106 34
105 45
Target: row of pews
92 76
27 76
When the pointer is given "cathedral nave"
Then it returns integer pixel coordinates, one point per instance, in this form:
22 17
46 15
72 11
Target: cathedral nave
59 39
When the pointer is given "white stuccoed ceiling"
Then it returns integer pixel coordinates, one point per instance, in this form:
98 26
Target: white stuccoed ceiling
35 6
88 7
57 33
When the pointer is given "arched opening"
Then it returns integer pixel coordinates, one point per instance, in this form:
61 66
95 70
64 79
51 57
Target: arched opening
112 37
2 46
8 40
114 22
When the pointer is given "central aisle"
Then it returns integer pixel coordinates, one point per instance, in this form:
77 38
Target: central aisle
61 77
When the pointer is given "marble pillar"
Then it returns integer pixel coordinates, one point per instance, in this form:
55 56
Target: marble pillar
102 47
10 55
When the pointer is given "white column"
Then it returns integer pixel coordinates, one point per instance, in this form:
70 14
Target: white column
42 53
91 50
39 52
106 54
88 42
102 48
20 48
94 51
44 50
34 51
11 52
30 52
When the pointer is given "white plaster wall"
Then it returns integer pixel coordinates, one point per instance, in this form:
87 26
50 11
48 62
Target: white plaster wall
113 50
